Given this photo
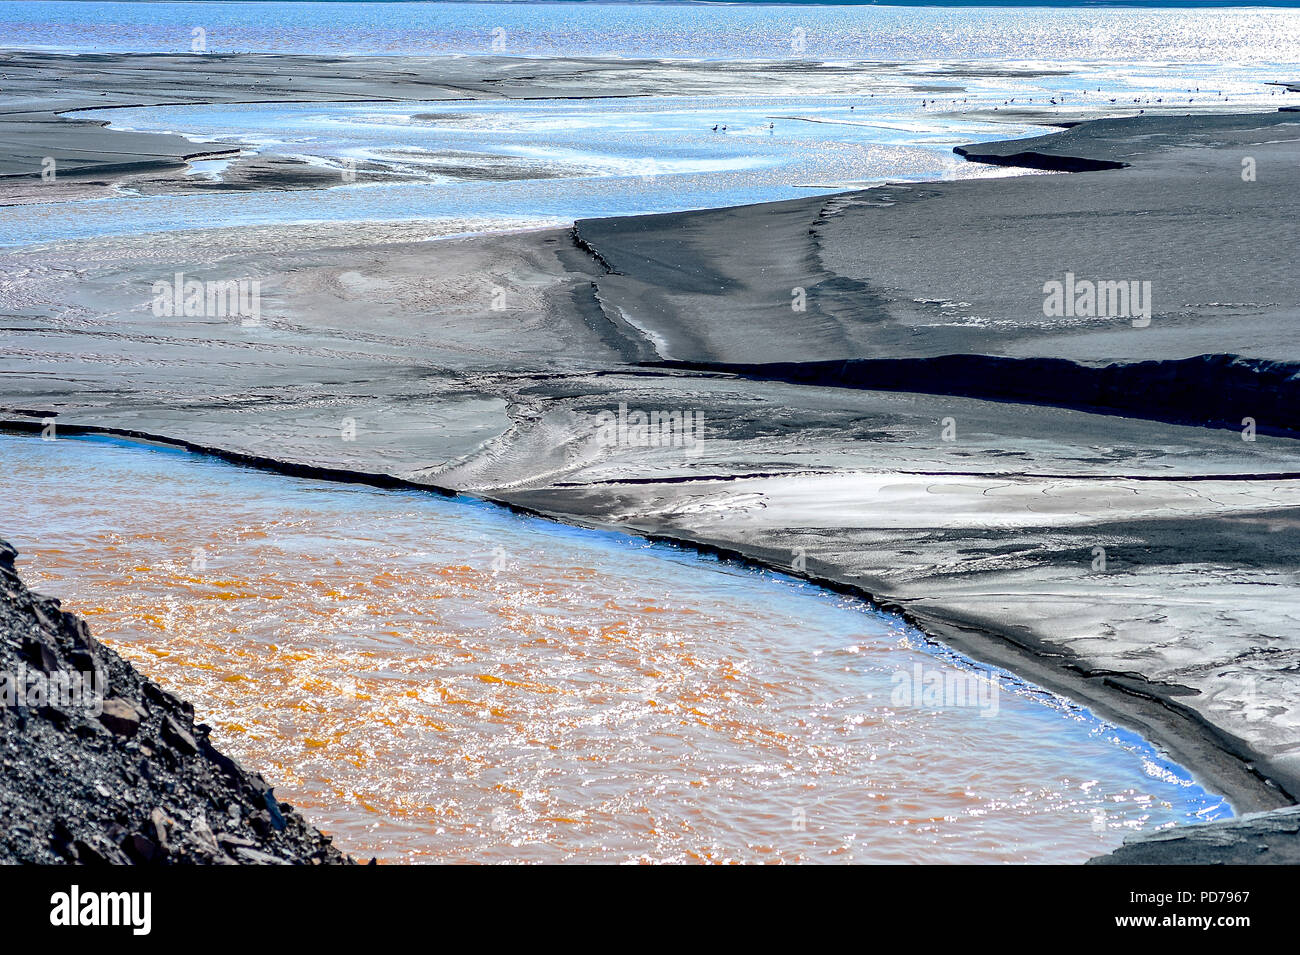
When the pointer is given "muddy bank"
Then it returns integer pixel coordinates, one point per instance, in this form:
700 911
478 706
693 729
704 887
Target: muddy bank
103 766
958 268
1264 838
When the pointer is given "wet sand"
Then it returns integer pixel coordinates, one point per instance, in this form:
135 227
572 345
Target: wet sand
976 514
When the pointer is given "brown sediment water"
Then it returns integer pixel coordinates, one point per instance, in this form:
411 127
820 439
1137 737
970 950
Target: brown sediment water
440 680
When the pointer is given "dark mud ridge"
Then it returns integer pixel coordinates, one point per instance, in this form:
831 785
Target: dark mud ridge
1217 391
1036 160
100 765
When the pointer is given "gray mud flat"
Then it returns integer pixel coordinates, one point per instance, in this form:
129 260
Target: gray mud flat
1075 498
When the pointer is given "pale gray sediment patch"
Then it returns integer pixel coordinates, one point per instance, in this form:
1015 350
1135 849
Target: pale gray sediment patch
1188 631
1261 838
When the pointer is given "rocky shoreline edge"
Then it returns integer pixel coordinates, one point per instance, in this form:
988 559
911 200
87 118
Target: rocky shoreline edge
99 765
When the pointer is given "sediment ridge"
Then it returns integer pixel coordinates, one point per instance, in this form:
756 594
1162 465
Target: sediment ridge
1217 391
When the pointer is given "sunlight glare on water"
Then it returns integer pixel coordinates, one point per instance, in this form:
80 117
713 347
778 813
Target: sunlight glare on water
668 30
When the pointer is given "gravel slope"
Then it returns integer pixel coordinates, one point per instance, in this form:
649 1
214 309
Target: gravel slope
117 771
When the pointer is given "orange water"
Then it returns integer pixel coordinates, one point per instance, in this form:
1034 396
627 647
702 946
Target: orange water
434 680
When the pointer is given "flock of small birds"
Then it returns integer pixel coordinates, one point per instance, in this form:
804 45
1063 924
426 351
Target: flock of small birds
1057 100
723 129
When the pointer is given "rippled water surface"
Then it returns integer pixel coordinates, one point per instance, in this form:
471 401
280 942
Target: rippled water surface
438 680
712 31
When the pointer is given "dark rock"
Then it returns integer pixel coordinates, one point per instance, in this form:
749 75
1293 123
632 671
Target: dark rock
179 739
273 809
40 655
228 841
97 852
141 848
56 715
61 840
47 613
223 762
120 717
158 823
255 857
